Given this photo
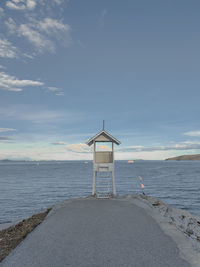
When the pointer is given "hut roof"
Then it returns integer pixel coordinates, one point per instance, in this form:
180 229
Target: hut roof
103 136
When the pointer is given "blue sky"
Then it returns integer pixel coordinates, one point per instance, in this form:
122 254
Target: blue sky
67 65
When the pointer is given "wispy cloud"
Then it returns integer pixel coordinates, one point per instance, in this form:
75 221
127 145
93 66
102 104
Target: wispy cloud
11 25
52 26
37 152
7 50
55 90
59 93
53 2
193 133
41 23
34 116
2 130
28 55
79 148
60 143
179 146
21 4
35 38
5 138
1 11
39 115
44 116
41 34
102 18
58 2
12 83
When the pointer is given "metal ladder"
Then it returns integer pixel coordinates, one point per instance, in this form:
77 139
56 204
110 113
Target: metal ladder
103 184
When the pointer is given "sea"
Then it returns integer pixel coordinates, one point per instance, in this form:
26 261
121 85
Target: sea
29 187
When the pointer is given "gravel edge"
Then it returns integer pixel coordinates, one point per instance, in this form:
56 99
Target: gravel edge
13 235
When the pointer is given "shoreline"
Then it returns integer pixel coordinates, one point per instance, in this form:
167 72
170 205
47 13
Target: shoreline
180 225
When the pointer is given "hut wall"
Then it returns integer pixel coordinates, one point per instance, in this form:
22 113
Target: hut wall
103 157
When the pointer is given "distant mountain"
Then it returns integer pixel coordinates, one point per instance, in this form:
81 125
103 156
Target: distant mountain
5 160
186 157
11 160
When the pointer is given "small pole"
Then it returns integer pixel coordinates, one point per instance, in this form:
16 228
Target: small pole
103 124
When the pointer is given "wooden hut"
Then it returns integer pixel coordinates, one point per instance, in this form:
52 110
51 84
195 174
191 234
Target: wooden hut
103 165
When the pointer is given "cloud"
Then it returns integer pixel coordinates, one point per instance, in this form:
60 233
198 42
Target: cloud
83 148
52 26
1 11
7 130
35 38
7 50
60 143
55 90
54 3
58 2
14 84
43 28
38 114
11 83
2 67
21 4
28 56
4 138
37 152
175 147
59 94
41 34
102 18
79 148
11 25
193 133
43 116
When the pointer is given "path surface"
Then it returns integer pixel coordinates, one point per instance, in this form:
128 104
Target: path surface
92 232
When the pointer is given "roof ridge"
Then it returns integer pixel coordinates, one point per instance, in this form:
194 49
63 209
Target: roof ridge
92 140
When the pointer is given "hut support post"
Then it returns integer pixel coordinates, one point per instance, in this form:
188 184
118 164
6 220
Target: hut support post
113 172
94 172
94 183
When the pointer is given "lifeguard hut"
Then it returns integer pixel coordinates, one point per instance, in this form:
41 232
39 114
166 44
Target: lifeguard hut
103 164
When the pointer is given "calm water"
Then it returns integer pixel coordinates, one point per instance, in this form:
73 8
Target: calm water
29 187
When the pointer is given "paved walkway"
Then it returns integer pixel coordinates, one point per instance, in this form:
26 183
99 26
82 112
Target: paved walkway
92 232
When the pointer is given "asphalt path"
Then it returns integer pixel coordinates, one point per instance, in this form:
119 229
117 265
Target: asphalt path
92 232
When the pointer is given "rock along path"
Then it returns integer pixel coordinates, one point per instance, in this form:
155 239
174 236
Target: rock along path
90 232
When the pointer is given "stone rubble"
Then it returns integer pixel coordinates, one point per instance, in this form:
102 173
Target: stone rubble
10 237
184 221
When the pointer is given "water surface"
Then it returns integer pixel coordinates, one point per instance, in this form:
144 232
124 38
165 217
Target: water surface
27 187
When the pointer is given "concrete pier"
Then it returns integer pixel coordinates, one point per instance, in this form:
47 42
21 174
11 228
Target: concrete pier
91 232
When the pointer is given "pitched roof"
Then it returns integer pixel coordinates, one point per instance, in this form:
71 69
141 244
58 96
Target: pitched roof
103 136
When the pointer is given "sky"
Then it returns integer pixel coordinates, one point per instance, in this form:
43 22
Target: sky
66 65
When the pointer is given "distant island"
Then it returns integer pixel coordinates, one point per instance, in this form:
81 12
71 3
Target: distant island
186 157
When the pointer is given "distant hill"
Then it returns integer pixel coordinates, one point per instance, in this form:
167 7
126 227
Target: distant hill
186 157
